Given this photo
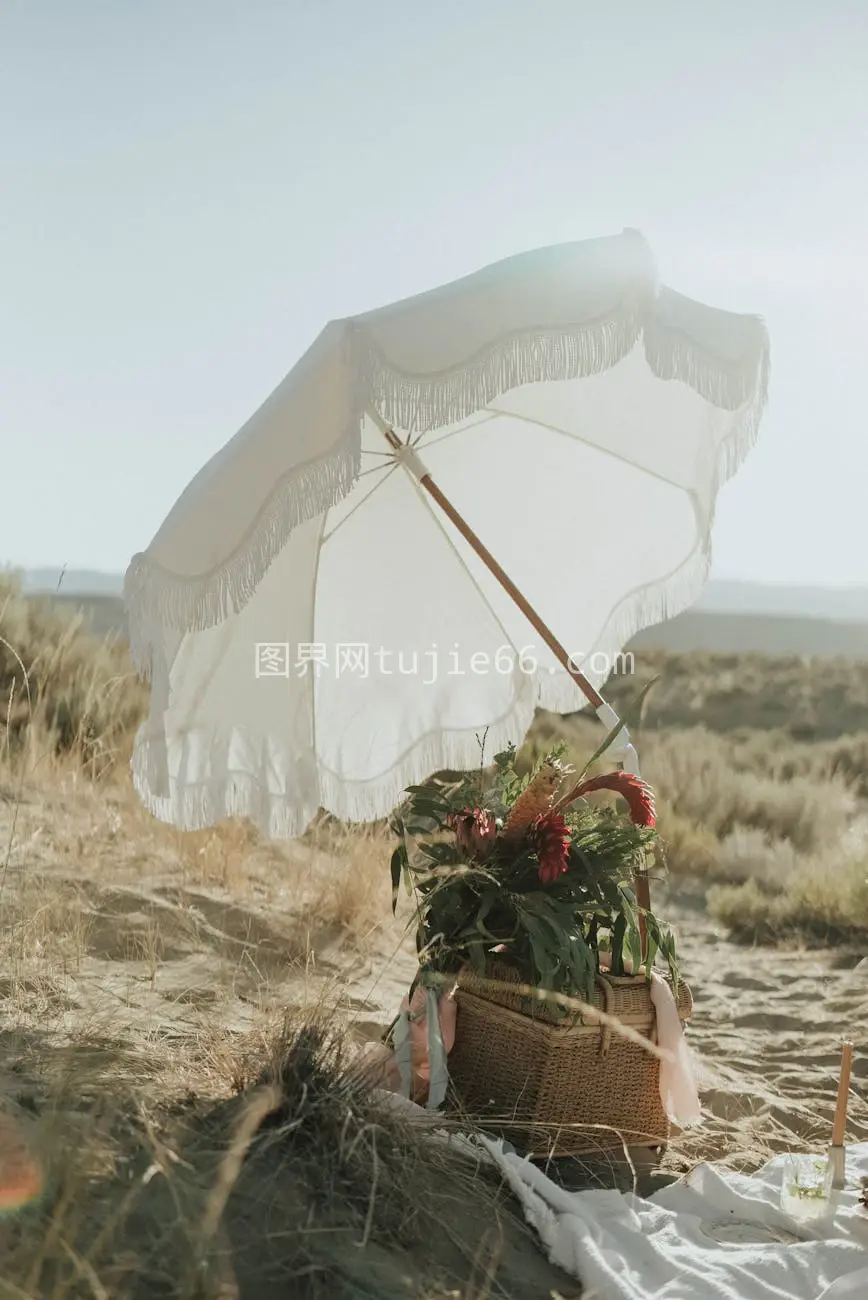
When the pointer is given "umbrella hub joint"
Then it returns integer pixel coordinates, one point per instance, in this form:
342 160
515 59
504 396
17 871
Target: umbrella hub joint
406 455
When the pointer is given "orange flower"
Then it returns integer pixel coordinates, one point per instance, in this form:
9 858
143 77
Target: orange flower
638 794
475 831
551 841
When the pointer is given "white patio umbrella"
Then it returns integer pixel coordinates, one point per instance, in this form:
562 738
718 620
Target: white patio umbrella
319 615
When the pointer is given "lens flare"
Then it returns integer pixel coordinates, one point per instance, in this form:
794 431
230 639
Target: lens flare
20 1174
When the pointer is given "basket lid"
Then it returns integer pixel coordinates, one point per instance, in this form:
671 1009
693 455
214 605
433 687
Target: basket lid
627 997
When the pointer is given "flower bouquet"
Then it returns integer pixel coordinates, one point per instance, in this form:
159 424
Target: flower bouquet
525 870
524 897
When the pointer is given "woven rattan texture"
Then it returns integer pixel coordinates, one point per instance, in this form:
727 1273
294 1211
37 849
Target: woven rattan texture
559 1088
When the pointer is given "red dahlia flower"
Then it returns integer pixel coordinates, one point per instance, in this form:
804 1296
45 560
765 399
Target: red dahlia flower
551 842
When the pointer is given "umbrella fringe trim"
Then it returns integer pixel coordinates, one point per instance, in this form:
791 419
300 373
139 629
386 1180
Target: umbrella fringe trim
644 609
201 804
724 383
662 600
155 597
420 403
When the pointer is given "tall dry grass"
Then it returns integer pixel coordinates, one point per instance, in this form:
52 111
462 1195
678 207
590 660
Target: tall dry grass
190 1143
145 975
279 1172
738 802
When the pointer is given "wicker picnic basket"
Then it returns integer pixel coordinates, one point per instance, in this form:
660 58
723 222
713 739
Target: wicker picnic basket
559 1087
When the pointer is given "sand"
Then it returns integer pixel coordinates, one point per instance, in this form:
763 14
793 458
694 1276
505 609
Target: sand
133 978
765 1039
162 964
766 1035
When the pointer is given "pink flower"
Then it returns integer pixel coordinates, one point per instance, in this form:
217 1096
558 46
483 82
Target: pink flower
475 831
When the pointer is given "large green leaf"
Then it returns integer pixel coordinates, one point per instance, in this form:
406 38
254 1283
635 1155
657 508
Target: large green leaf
634 943
476 951
443 854
487 902
583 967
664 941
619 929
651 951
422 826
398 864
544 961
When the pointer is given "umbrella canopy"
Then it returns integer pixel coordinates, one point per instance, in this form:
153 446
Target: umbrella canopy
318 634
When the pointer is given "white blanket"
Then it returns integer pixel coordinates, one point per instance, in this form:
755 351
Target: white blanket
713 1236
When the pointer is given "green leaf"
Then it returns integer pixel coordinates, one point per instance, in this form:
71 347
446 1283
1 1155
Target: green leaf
651 944
634 943
582 966
664 941
427 812
486 904
398 865
619 929
476 951
556 921
545 967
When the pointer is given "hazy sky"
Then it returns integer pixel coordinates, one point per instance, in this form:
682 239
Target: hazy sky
192 188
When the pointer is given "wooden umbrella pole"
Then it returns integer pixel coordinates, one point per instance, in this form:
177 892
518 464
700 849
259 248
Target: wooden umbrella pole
502 577
413 463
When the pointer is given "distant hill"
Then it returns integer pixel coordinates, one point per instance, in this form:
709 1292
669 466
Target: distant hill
689 632
842 604
803 677
721 596
105 615
730 617
775 634
73 582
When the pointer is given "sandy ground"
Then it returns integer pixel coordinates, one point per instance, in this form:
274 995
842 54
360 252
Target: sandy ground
766 1035
151 969
130 981
125 969
765 1038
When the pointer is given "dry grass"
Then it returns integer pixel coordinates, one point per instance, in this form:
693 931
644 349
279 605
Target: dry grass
145 980
738 800
146 973
757 809
807 700
62 691
282 1173
824 900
